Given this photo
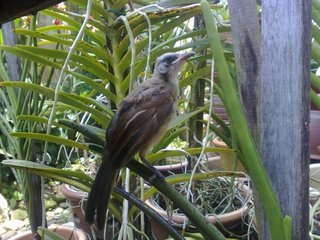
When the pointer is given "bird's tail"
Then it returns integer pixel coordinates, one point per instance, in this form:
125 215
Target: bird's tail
101 191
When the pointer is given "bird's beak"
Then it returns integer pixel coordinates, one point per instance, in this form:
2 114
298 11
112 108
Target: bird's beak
183 57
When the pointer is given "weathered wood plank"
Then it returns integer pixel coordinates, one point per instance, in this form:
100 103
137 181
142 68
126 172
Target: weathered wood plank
284 100
247 39
13 62
247 43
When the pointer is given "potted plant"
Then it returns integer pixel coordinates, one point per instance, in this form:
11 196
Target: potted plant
223 204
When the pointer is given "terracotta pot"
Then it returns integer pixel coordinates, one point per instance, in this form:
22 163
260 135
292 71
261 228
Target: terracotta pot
66 232
226 220
227 158
219 109
314 182
314 135
78 202
213 164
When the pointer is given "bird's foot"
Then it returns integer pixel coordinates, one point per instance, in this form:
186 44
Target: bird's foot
156 173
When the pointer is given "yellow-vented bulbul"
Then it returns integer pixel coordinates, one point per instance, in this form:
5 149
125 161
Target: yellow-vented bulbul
141 120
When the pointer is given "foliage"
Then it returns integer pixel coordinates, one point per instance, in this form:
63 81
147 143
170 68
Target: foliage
115 53
100 73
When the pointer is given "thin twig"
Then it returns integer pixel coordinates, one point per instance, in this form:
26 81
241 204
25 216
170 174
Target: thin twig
132 47
207 131
56 95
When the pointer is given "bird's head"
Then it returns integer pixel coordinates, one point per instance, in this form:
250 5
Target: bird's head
169 65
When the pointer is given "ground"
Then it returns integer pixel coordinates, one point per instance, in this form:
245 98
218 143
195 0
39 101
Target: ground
15 220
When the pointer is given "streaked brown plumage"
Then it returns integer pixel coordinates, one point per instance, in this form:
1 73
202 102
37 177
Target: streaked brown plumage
140 121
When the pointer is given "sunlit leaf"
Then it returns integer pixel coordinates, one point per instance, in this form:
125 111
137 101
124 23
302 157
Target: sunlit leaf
50 138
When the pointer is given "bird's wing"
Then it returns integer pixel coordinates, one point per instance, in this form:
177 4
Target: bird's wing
138 121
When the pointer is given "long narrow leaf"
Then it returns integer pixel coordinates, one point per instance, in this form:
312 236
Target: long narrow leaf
87 63
55 14
95 135
34 57
38 119
74 178
50 138
186 116
66 98
193 151
82 46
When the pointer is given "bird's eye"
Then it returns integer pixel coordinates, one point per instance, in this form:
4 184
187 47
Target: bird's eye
170 59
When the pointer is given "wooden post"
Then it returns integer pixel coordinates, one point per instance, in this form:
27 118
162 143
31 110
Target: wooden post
247 43
13 62
284 99
273 79
247 39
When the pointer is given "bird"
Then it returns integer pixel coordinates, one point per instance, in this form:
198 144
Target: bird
140 121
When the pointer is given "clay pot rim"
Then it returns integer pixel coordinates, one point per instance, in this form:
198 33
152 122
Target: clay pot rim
171 166
219 143
226 219
80 235
67 191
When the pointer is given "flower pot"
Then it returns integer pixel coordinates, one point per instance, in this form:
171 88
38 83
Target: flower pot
314 183
219 109
228 219
66 232
78 201
315 135
213 164
227 157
